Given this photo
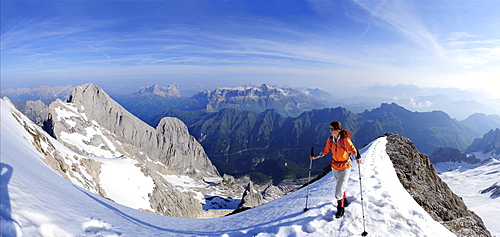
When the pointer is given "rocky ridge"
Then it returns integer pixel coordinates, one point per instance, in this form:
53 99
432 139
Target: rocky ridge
417 174
106 128
488 144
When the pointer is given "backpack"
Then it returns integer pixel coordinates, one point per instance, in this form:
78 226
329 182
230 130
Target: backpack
341 140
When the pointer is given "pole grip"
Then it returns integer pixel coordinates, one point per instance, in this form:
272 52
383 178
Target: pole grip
312 151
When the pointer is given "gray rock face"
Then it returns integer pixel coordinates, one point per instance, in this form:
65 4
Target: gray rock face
92 124
37 111
108 129
416 173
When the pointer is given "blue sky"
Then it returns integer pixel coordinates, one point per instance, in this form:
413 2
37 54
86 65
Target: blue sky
123 45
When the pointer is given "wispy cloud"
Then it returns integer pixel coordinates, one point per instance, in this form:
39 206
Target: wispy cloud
401 16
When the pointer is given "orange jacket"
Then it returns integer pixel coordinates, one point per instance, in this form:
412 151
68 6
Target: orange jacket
340 155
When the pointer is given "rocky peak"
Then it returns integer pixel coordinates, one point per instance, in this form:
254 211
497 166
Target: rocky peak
417 175
170 91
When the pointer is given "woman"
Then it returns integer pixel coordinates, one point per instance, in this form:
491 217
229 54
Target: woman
339 143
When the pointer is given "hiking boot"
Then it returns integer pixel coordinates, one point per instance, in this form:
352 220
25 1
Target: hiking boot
340 209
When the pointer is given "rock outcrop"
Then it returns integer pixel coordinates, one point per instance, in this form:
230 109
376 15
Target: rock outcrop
251 197
416 173
448 154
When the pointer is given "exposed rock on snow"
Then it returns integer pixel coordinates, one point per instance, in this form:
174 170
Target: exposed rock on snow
448 154
416 173
251 197
494 189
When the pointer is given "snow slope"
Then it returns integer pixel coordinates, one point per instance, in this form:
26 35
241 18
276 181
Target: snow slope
467 181
37 201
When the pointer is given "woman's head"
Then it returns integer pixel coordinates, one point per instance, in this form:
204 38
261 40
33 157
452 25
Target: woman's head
336 126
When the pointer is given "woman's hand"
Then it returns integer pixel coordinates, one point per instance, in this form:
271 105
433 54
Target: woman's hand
314 157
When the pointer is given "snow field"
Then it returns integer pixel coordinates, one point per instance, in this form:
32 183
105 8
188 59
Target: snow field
121 176
468 180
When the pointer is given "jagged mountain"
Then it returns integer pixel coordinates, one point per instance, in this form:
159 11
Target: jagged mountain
36 201
37 111
149 101
286 101
171 91
489 144
448 154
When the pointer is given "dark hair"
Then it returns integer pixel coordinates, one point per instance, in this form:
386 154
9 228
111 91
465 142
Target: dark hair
338 126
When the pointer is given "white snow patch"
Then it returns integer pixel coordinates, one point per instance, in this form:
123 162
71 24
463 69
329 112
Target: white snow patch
121 176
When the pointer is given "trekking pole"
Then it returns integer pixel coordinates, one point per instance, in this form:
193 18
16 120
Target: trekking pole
362 205
309 178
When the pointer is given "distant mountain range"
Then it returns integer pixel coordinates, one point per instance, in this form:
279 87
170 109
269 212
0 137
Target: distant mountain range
44 93
148 103
264 129
459 104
